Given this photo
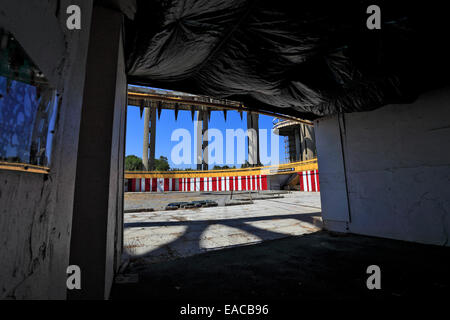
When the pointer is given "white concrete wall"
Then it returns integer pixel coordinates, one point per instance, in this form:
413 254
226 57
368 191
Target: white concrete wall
397 170
333 182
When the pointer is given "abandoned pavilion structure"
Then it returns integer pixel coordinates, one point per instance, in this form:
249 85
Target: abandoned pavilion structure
378 99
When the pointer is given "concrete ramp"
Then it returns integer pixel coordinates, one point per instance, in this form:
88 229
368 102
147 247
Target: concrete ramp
278 182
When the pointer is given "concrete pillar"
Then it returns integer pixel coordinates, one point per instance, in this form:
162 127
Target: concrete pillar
298 148
253 138
201 131
97 221
333 176
313 141
205 141
146 138
199 140
152 143
307 142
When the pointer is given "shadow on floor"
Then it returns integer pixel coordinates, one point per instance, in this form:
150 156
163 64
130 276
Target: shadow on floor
188 242
313 266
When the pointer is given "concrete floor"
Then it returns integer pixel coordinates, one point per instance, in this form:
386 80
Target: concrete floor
290 257
317 266
146 201
157 236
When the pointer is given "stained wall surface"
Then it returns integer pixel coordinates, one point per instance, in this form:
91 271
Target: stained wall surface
36 209
393 170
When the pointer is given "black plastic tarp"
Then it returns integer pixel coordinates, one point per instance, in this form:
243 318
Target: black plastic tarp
304 58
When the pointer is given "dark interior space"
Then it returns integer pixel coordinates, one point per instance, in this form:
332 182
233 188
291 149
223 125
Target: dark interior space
364 113
317 266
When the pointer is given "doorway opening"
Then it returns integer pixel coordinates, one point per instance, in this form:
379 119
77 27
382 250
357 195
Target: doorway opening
205 174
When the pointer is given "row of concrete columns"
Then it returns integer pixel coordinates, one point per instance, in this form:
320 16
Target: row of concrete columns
201 127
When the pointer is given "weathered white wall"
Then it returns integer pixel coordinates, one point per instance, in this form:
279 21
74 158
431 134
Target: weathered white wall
36 210
397 170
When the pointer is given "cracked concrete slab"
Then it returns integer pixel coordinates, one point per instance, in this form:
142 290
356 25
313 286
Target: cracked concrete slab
156 236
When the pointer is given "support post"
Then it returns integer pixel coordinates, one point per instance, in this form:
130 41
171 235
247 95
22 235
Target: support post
253 138
205 141
308 142
146 138
99 176
152 144
199 139
298 155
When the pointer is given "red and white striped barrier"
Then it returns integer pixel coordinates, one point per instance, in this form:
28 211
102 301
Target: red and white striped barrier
309 180
150 185
239 183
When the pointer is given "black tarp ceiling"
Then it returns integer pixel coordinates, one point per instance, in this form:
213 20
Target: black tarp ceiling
304 58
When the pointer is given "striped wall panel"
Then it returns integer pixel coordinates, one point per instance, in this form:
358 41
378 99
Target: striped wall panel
258 182
151 185
222 183
309 180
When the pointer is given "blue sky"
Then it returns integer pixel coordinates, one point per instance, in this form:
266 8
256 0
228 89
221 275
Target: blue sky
167 124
